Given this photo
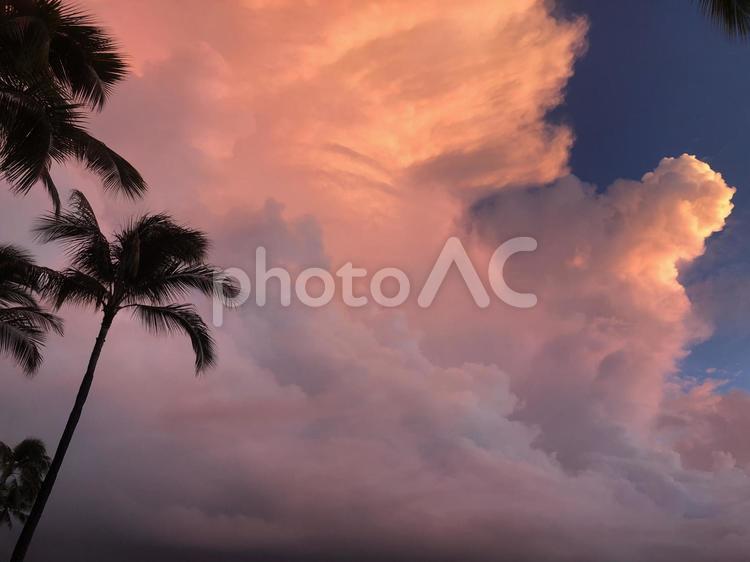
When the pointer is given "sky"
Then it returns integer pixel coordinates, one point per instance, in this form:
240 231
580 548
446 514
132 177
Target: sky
680 87
608 422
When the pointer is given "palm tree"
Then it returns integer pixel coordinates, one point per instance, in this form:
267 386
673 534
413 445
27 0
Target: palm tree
23 323
22 470
148 265
54 64
733 16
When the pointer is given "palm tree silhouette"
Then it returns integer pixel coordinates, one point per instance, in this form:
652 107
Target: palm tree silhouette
23 323
54 64
22 470
733 16
149 264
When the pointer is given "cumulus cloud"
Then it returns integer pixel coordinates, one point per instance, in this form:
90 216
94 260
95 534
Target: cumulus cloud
613 318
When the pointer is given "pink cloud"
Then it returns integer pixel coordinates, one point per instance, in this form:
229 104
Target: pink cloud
370 132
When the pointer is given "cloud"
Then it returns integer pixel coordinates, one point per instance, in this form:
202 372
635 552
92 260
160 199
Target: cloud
361 131
613 318
349 439
365 115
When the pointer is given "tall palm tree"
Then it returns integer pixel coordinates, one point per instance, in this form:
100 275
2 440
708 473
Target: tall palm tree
22 470
146 267
23 323
733 16
54 64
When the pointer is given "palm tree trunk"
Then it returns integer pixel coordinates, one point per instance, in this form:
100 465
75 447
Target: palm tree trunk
22 545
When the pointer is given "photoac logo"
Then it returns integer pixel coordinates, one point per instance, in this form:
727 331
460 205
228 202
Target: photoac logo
453 253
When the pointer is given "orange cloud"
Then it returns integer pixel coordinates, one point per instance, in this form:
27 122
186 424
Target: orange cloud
370 131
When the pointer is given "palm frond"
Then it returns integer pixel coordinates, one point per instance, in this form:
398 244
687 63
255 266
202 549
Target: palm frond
54 62
18 274
66 43
78 231
116 173
23 323
85 58
14 255
174 281
23 343
180 318
151 241
39 126
733 16
32 318
74 287
25 36
11 294
33 122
